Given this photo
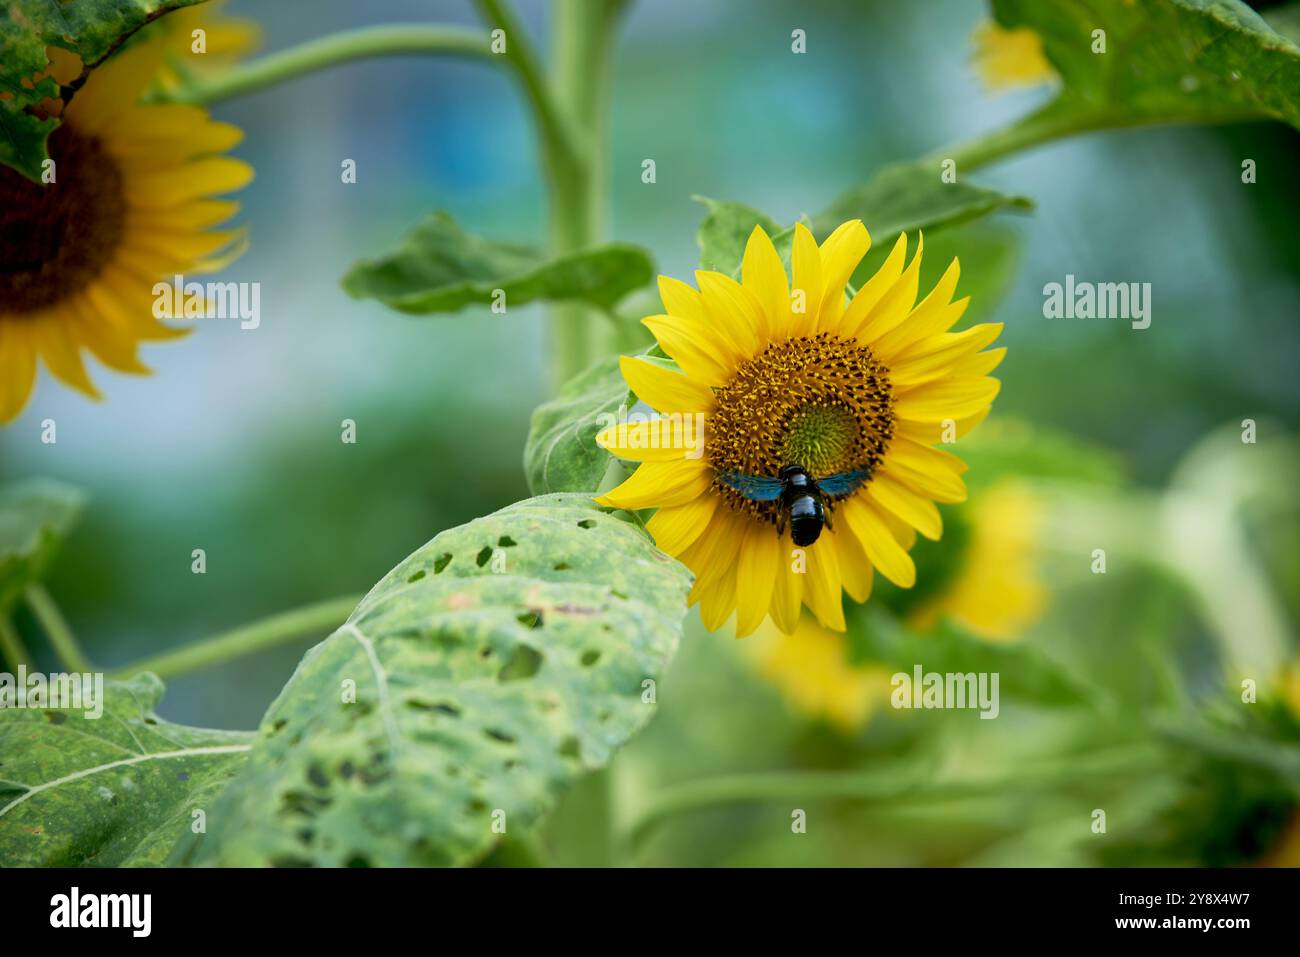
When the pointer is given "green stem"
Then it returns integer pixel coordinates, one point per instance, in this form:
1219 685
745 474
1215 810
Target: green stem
582 77
1053 122
56 629
246 639
871 787
11 645
394 39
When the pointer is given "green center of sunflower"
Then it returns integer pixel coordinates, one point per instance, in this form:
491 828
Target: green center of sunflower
56 238
821 402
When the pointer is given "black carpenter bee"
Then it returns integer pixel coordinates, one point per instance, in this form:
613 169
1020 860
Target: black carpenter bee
802 497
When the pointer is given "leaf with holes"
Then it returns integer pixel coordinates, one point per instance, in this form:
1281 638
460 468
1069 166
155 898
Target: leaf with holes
35 516
92 29
485 673
441 268
1209 61
120 788
910 197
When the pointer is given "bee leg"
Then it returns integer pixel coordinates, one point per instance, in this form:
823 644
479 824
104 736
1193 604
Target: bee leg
826 517
780 523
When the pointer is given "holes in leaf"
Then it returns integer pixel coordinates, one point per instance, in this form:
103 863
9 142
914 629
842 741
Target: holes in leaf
562 567
530 619
571 748
477 806
284 860
589 658
498 735
505 541
347 769
587 523
441 562
55 717
416 577
357 860
618 594
441 707
279 725
484 556
524 663
317 776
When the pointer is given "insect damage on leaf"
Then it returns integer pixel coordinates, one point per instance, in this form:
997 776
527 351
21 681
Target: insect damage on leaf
461 696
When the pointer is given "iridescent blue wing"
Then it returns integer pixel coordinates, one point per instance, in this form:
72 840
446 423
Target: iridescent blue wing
843 483
753 487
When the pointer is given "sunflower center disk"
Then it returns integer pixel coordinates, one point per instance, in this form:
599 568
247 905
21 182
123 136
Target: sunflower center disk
823 403
55 238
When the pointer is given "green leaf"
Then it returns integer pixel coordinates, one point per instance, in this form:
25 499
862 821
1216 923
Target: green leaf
1173 61
119 789
561 454
92 29
441 268
913 196
35 516
490 669
725 230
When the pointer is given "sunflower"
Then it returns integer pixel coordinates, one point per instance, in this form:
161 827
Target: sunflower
1005 59
799 374
130 204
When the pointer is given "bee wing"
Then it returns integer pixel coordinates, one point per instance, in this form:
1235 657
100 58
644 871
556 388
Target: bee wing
843 483
756 488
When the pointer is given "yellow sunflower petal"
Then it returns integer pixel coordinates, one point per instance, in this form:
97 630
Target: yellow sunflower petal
760 555
934 314
787 595
714 552
731 310
764 276
701 358
874 289
204 177
916 510
656 484
822 587
61 354
658 440
841 253
933 356
945 399
676 527
886 554
855 568
18 361
806 289
663 389
895 305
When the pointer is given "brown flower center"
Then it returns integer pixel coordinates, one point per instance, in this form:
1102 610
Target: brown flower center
823 403
56 238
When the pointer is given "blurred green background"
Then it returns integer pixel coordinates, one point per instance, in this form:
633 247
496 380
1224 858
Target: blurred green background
233 445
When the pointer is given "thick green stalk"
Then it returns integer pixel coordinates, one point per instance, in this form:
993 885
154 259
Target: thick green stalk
581 79
56 629
394 39
246 639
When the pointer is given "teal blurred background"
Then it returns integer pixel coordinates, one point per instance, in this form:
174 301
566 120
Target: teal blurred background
233 445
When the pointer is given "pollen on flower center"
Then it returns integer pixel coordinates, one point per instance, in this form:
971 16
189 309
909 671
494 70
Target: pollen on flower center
823 402
56 238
